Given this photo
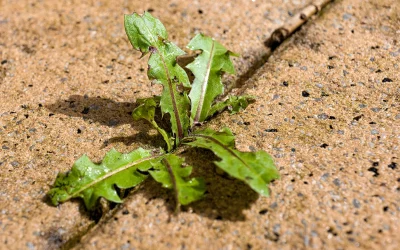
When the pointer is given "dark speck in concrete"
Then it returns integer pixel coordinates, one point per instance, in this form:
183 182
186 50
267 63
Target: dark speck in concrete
305 93
387 80
374 170
85 110
113 123
392 165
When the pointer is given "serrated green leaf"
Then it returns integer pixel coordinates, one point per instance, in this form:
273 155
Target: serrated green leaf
146 110
257 169
233 103
207 69
91 181
147 34
170 173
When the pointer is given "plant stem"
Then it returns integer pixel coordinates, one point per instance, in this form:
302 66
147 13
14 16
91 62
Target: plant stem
173 181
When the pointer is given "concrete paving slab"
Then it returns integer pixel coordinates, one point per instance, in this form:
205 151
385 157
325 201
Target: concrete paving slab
68 81
328 111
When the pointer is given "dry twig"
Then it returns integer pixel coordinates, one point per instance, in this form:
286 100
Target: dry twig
295 22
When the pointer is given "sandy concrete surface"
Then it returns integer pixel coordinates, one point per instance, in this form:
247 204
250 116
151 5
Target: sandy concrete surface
328 110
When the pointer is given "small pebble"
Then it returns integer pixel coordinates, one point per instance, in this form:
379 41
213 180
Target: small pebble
356 203
324 177
376 109
14 164
323 116
337 182
347 16
276 228
374 132
30 246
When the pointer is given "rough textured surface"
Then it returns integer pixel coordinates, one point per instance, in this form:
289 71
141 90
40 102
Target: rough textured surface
328 111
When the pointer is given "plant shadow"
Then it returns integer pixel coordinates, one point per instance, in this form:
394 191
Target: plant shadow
95 109
225 199
109 113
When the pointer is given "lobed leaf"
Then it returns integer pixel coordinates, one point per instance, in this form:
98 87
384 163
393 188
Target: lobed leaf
91 181
233 103
148 35
257 169
170 173
146 110
207 69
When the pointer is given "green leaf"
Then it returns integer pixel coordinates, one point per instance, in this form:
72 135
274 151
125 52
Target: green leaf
170 173
147 34
91 181
207 69
233 103
146 110
257 169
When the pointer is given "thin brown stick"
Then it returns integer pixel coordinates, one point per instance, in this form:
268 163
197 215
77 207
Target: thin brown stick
295 22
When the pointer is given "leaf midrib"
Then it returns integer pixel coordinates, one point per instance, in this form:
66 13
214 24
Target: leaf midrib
110 174
171 90
230 151
173 100
204 84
